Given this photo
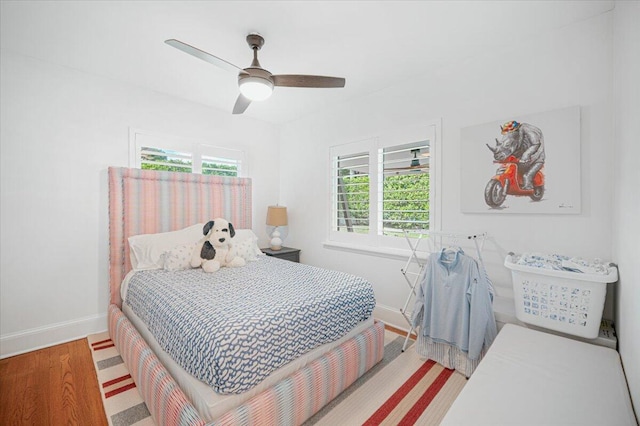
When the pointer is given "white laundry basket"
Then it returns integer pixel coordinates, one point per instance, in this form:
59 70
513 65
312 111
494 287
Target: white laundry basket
569 302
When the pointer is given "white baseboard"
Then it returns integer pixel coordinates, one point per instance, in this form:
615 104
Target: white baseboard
41 337
390 316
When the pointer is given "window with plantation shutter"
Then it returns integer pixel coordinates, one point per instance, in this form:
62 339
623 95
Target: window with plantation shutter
153 158
351 174
161 152
352 193
221 161
383 187
220 166
404 188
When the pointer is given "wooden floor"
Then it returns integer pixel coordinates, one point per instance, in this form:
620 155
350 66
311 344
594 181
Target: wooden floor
52 386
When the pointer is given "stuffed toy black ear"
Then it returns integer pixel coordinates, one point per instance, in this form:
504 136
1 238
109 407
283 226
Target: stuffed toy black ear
232 231
208 251
207 227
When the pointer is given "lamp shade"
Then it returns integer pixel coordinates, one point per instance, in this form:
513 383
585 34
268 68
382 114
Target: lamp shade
277 216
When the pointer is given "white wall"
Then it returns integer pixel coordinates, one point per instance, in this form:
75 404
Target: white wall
566 67
627 202
61 129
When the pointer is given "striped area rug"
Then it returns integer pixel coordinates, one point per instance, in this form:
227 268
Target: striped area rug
122 402
402 389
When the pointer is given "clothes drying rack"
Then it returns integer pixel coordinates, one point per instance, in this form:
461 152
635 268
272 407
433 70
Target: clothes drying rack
422 244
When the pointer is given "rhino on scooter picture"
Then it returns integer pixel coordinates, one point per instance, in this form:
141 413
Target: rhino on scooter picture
520 153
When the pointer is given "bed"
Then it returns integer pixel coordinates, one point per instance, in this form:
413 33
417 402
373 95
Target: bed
529 377
151 202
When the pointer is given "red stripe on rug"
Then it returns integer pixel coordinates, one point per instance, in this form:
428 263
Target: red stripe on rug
398 396
104 347
423 402
119 390
100 342
116 380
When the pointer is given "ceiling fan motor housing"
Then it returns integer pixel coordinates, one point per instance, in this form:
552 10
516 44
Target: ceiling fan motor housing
256 73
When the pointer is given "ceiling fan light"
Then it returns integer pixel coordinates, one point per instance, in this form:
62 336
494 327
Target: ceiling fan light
256 88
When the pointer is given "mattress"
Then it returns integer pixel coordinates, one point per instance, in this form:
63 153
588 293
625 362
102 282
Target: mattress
212 405
232 328
533 378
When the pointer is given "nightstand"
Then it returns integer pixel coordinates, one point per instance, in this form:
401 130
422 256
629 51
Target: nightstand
286 253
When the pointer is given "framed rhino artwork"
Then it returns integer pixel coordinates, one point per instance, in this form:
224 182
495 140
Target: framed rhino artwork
525 164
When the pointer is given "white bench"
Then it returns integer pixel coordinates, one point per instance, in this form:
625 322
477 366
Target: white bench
533 378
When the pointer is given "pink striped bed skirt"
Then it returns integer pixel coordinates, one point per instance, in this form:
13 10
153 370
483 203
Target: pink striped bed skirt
290 402
165 400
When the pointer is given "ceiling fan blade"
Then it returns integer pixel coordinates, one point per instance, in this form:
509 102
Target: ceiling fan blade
292 80
201 54
241 104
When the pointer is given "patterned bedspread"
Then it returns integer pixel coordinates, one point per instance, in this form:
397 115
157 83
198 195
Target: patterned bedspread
234 327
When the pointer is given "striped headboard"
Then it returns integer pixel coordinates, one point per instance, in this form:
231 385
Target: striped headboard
148 202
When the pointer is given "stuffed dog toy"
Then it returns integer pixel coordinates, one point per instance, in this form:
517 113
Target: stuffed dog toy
215 249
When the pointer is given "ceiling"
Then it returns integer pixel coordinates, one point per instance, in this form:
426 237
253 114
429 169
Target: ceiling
374 45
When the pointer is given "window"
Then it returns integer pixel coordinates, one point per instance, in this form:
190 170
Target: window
221 161
382 187
352 192
152 158
404 188
161 152
220 166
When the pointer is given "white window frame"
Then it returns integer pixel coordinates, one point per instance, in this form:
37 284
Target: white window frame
372 242
197 148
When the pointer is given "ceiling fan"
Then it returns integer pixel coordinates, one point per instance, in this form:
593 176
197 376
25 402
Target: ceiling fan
255 82
415 163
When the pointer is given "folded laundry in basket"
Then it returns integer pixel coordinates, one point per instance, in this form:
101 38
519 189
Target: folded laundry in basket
560 262
538 260
578 264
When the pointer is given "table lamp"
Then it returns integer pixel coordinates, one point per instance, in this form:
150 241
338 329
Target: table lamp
276 216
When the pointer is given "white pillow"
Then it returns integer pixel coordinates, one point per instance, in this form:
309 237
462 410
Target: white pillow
246 244
146 250
245 249
178 258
